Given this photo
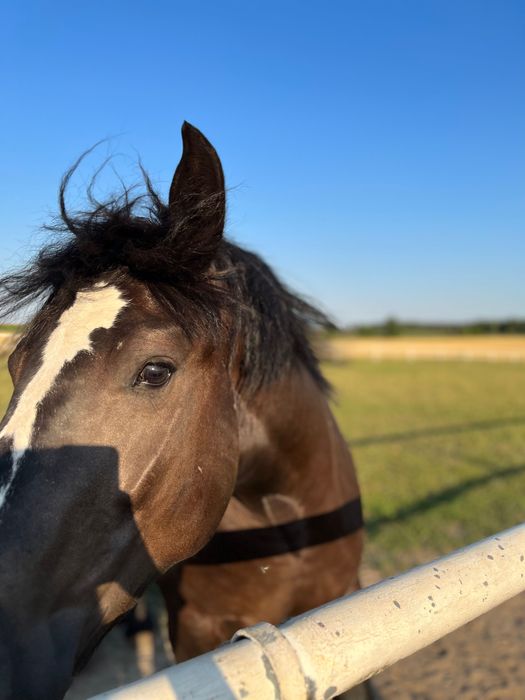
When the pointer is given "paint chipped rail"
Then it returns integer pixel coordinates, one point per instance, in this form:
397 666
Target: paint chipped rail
329 650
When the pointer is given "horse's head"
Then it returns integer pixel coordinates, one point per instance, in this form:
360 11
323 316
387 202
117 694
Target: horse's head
119 448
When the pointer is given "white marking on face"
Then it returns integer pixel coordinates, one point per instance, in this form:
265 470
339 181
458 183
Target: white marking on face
93 309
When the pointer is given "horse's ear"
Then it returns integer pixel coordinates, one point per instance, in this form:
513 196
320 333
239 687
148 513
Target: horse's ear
197 199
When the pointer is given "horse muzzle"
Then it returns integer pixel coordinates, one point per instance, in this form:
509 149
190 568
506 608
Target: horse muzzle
37 664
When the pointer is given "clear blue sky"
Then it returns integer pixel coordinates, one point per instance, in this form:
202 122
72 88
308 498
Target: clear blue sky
376 149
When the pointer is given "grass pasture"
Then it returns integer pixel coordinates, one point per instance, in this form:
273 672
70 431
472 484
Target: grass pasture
439 447
440 451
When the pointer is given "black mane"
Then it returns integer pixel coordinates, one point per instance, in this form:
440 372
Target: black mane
135 234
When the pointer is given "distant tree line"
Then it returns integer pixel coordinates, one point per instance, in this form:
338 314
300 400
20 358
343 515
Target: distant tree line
393 327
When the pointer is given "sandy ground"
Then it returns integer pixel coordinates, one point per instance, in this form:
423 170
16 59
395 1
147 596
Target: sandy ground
491 348
481 661
119 660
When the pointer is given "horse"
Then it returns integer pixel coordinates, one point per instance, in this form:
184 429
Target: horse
169 422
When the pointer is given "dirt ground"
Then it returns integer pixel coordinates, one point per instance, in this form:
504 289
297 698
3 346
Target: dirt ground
481 661
118 661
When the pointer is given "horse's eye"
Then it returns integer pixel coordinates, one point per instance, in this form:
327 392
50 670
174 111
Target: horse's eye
154 374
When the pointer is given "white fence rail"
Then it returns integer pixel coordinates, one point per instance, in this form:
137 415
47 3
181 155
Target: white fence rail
332 648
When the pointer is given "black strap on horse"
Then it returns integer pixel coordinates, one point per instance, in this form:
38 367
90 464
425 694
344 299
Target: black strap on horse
259 542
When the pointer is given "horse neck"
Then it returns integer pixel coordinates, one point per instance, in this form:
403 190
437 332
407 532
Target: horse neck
293 460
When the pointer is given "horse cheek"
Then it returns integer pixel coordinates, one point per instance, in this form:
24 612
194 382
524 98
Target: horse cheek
187 499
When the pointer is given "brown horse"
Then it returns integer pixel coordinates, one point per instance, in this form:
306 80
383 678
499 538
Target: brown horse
164 392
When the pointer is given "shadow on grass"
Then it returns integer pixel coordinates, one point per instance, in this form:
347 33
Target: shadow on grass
437 431
373 525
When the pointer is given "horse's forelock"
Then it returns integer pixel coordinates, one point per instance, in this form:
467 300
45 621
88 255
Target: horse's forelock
177 251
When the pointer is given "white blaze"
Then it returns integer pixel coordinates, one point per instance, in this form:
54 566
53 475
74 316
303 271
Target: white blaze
96 308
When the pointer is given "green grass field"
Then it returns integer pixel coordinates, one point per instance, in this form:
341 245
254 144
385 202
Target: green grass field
440 451
439 447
